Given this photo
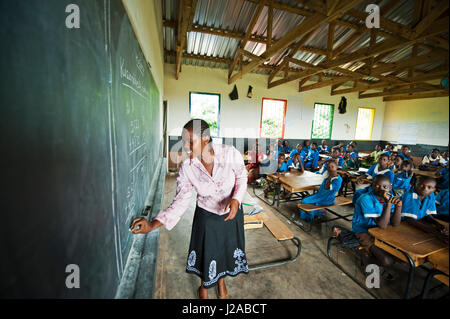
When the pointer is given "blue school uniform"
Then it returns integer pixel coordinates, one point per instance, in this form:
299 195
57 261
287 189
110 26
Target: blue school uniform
414 208
312 159
387 152
367 207
354 155
293 152
323 149
405 158
290 163
287 149
374 171
322 197
283 168
442 202
443 182
324 166
402 181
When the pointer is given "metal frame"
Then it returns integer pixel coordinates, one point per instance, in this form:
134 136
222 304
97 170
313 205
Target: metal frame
271 264
426 286
339 216
338 243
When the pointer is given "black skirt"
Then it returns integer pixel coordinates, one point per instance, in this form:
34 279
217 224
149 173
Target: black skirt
217 247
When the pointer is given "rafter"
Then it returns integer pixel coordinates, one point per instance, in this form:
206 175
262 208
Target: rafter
400 92
189 8
416 96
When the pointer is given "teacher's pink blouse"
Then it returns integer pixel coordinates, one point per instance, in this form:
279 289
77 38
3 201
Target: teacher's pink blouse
228 181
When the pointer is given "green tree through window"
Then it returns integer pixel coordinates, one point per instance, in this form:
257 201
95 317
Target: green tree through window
206 106
272 118
323 121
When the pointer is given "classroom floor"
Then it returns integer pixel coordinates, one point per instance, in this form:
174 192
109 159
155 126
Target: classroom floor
311 276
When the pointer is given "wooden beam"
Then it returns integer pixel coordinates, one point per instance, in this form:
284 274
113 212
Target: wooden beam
389 6
431 17
324 83
331 5
248 33
330 40
269 24
416 96
189 8
399 92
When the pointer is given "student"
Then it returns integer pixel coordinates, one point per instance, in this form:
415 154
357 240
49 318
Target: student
419 203
280 146
376 208
445 158
388 149
334 157
295 163
350 158
442 201
402 180
395 163
282 163
297 150
443 178
256 156
405 154
327 191
380 168
375 154
312 159
323 148
306 146
434 159
286 148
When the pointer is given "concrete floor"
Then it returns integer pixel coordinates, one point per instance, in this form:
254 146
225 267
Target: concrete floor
311 276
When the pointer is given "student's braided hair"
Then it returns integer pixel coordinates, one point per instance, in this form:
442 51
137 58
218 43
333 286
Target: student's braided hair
199 127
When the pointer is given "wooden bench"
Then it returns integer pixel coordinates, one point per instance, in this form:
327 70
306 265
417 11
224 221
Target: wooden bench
281 232
339 201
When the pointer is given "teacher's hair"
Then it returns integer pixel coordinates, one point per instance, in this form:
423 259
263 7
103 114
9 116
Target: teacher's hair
199 127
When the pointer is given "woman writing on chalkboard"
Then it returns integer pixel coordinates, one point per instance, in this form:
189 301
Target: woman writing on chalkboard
218 175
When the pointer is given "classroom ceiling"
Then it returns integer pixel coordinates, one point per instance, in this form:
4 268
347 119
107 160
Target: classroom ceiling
323 41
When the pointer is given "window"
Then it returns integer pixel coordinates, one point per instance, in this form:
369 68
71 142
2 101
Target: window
206 106
273 113
364 123
323 121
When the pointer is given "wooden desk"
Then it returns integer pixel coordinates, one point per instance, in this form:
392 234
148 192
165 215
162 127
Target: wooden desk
275 177
409 244
439 261
425 173
306 181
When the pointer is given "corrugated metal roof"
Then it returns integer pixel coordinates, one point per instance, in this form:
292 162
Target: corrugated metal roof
236 15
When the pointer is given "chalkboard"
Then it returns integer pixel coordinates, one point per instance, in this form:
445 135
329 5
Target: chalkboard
80 144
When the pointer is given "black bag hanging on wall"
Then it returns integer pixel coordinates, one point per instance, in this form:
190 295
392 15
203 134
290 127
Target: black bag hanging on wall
234 94
343 105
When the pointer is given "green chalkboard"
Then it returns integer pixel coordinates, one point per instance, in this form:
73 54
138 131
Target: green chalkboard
80 145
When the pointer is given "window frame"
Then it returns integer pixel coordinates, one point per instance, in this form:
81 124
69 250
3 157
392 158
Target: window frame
284 117
218 114
371 127
331 123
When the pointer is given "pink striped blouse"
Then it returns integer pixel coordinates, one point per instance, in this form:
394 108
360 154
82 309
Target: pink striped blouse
228 181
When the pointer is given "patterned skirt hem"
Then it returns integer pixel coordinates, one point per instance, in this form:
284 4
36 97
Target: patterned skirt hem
212 283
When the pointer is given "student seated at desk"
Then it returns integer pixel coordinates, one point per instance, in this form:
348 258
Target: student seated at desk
350 158
405 154
327 192
334 157
373 157
378 169
312 159
395 163
323 148
419 203
388 149
433 160
297 150
295 163
445 158
442 201
376 208
443 180
402 180
282 163
286 148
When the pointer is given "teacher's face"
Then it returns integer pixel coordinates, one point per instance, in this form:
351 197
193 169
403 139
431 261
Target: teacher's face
193 143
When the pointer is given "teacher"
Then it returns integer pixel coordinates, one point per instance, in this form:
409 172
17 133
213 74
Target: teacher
218 175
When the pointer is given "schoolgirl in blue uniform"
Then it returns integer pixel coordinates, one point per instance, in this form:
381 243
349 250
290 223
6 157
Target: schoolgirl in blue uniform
335 157
326 194
376 208
297 150
286 148
282 164
402 180
295 163
405 153
442 200
323 148
312 159
381 168
443 181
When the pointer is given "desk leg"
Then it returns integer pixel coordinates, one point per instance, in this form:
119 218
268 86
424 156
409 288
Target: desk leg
426 286
296 242
263 199
412 269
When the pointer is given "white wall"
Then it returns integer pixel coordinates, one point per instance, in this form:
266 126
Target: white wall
241 118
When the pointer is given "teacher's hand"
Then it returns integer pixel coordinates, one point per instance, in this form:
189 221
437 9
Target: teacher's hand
233 206
140 225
